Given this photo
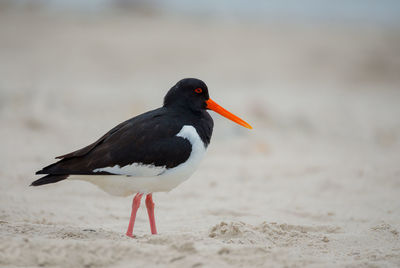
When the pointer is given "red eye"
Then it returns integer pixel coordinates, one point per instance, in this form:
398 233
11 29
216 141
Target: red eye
198 90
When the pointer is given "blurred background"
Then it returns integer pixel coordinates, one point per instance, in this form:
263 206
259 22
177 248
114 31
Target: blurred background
318 80
326 71
296 67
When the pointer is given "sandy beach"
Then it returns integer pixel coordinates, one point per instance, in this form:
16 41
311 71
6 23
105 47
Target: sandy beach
316 183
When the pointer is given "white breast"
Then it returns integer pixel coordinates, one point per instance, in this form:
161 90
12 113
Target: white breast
197 154
141 178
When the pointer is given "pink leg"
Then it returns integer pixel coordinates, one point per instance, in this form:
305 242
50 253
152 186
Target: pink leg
150 211
135 207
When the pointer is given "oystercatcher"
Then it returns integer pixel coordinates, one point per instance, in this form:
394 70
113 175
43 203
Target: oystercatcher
152 152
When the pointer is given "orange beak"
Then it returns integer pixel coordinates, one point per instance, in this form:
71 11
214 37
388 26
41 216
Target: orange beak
212 105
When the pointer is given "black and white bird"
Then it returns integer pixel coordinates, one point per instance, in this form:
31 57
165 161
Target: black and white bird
152 152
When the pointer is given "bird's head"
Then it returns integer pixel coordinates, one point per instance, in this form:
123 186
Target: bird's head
192 93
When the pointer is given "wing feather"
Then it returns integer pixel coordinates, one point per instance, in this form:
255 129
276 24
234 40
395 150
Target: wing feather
147 140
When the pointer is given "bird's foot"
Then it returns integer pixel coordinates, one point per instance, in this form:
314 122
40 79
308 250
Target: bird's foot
130 235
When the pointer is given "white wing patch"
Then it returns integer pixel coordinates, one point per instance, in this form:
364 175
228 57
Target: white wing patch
139 178
135 169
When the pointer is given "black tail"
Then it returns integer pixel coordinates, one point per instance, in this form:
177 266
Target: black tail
49 179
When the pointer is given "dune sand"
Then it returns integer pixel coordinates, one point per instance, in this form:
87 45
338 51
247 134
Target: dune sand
315 184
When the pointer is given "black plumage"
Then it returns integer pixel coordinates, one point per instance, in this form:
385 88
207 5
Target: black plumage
148 139
49 179
153 152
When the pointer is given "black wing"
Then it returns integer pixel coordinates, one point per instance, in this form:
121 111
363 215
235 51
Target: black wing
148 139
